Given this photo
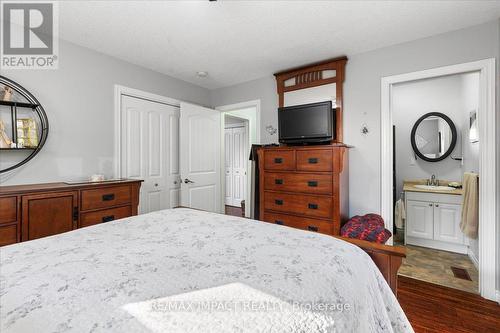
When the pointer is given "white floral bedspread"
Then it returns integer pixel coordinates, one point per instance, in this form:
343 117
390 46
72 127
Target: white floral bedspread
183 270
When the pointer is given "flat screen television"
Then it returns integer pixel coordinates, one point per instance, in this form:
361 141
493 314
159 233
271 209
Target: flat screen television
308 123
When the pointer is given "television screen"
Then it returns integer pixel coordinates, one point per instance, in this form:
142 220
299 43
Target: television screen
306 123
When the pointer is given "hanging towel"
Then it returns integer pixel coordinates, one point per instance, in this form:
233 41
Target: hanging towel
470 205
399 214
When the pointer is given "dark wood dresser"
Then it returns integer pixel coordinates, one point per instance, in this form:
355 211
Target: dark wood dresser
32 211
305 187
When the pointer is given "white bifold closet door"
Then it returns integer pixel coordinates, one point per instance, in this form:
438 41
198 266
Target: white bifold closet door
149 151
236 155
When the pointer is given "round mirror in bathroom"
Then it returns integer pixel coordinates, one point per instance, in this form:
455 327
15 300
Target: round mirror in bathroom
433 137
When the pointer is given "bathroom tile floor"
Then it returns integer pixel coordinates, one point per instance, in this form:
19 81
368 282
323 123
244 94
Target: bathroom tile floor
434 266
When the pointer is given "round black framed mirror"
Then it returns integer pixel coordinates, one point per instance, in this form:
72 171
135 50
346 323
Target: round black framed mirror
433 137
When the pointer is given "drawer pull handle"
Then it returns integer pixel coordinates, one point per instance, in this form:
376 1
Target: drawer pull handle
108 218
312 228
108 197
312 183
278 160
313 160
312 206
278 181
278 202
278 222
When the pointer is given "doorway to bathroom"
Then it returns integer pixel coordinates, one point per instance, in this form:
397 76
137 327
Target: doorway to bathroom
437 146
433 150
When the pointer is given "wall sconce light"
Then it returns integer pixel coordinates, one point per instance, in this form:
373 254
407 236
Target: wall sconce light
364 129
473 131
271 130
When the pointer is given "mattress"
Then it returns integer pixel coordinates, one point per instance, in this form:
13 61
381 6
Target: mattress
184 270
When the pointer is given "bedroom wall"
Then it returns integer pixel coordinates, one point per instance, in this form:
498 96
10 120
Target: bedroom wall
362 99
79 101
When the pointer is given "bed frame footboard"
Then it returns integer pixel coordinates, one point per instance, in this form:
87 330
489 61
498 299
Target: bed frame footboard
387 258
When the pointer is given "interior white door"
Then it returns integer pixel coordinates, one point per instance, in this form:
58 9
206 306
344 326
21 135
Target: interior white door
447 223
149 151
239 165
228 165
200 157
419 219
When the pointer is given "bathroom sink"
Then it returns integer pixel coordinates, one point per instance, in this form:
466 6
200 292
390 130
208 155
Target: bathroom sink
436 188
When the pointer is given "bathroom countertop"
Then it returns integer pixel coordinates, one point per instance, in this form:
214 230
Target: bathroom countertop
408 186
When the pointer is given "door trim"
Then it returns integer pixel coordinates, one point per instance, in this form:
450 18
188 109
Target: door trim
488 216
131 92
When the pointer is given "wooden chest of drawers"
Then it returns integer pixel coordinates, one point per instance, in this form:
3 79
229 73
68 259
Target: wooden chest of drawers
33 211
305 187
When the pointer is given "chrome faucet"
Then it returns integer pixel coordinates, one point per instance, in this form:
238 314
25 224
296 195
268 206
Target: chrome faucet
433 181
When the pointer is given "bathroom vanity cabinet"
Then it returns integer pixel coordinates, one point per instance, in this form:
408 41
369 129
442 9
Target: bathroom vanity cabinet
433 220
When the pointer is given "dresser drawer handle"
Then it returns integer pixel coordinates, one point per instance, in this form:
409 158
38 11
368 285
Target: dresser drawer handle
312 206
278 160
312 228
312 160
108 197
278 222
108 218
312 183
278 181
278 202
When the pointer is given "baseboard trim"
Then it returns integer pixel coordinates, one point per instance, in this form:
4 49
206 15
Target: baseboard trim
473 258
498 296
437 245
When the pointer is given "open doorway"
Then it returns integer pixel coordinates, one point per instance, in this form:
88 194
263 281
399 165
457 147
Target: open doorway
235 164
445 213
436 155
248 115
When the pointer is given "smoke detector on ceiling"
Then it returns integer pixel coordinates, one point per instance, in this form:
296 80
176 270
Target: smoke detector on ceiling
202 74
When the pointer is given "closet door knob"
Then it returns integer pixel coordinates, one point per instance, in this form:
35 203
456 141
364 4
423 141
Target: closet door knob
437 205
430 205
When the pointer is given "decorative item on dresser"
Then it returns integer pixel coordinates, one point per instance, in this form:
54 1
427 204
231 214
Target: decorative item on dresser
305 187
32 211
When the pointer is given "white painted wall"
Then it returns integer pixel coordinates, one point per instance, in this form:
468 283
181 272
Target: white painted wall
79 100
362 98
470 163
470 90
410 101
262 89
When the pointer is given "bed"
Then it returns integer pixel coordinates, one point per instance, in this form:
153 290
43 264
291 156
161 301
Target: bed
184 270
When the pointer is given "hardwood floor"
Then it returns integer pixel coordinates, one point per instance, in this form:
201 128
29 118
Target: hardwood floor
234 211
432 309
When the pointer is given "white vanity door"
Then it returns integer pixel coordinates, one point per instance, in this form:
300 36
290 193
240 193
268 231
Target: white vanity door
419 219
447 223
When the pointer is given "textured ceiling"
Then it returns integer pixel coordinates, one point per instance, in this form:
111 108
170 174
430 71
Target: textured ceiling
238 41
